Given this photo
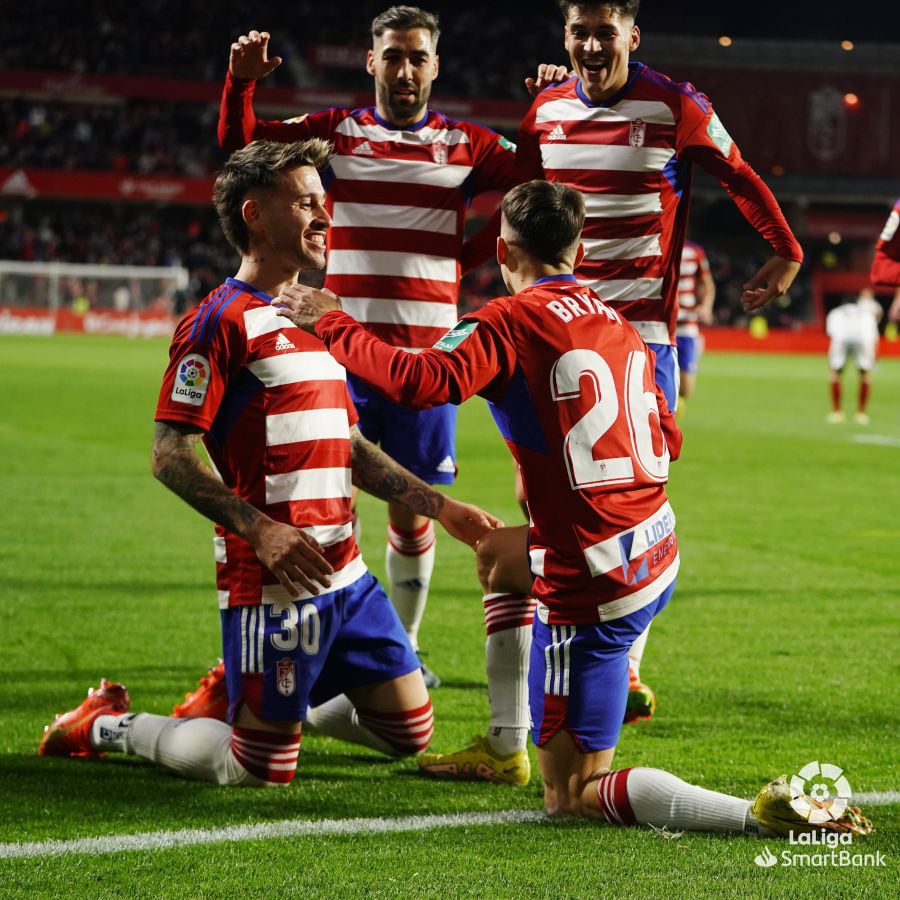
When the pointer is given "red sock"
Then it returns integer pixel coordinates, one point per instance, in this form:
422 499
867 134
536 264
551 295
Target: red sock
407 732
836 396
613 796
266 754
864 387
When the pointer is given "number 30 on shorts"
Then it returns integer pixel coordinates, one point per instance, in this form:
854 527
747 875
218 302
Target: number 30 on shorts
297 626
641 414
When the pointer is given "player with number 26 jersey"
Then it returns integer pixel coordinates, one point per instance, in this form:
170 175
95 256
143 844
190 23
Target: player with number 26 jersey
561 370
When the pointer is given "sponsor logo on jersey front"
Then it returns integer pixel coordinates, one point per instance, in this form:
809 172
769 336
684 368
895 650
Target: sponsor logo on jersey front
637 133
282 342
286 677
191 380
363 149
455 336
556 134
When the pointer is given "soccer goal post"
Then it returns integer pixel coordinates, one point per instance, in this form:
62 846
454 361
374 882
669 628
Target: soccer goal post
44 297
52 285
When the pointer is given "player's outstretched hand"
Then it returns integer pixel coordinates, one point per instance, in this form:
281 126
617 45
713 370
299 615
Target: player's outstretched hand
305 305
771 281
250 56
547 74
291 555
465 522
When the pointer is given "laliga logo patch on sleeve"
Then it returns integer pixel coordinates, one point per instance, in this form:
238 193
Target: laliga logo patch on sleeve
720 137
455 336
191 380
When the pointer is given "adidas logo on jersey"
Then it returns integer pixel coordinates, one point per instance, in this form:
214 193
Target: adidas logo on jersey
557 134
363 149
447 465
283 343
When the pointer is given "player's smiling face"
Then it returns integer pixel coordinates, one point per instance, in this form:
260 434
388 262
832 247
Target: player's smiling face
403 63
599 42
294 218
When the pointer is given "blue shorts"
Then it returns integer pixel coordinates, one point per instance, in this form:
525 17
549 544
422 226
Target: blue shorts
688 352
283 657
424 441
667 372
578 677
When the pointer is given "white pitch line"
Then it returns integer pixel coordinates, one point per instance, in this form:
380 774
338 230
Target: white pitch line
189 837
879 440
161 840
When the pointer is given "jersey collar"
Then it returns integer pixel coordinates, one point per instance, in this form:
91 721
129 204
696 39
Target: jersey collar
261 295
548 278
634 70
392 126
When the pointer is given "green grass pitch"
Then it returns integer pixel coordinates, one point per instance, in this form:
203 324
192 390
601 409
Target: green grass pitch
780 647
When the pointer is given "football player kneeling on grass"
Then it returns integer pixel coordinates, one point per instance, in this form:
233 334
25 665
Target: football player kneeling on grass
571 387
303 621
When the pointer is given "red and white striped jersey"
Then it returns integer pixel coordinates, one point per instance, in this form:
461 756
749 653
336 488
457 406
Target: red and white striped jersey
886 264
275 414
398 199
631 159
571 387
694 266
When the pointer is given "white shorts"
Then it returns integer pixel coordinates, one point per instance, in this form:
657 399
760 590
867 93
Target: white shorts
863 353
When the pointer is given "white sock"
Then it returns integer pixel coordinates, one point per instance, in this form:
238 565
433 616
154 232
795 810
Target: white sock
636 652
661 799
409 562
109 733
508 619
337 718
196 748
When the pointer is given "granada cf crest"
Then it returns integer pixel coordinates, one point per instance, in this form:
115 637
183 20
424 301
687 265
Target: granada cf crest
440 151
826 125
637 133
286 679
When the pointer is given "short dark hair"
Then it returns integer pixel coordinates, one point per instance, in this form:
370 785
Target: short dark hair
545 217
403 18
259 165
627 8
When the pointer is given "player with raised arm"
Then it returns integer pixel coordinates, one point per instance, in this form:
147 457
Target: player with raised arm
696 296
885 271
570 384
303 621
626 137
398 186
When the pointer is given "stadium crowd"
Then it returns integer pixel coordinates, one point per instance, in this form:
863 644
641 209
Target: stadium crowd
156 138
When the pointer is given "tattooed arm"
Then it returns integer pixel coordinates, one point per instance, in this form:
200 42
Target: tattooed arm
290 554
377 474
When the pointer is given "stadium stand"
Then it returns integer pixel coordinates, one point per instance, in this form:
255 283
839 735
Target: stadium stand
120 117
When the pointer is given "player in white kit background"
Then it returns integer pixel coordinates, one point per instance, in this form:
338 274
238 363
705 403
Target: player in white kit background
853 330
